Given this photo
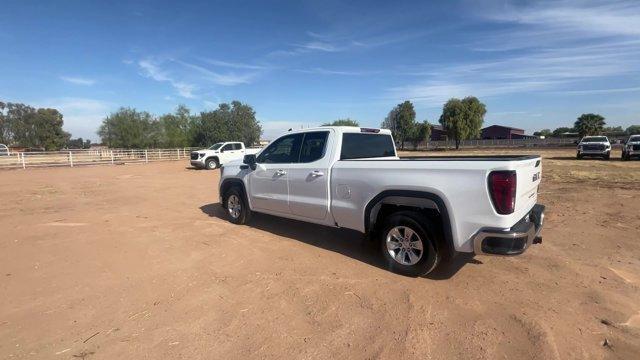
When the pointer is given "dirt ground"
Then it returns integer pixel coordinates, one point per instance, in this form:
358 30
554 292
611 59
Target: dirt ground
137 261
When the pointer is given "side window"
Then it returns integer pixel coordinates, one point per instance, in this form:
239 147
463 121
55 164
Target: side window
285 150
313 146
237 146
227 147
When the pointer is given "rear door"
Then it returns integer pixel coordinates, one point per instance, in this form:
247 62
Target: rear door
268 187
227 153
309 177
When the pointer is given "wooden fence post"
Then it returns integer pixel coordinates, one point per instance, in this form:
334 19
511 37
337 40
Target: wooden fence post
146 156
24 166
70 159
111 157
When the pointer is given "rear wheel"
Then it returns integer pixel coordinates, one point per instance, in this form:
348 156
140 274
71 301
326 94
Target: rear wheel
211 164
407 242
236 206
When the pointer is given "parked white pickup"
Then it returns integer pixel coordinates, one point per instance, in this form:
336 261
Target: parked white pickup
219 154
421 210
631 147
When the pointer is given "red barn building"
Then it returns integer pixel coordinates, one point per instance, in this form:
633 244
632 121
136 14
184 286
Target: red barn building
503 132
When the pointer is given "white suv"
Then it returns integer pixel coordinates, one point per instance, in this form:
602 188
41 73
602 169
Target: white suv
598 146
631 147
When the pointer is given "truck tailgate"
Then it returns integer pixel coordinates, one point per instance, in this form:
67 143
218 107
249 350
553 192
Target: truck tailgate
528 178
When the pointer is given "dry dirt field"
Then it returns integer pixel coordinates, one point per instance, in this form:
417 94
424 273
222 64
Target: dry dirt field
137 262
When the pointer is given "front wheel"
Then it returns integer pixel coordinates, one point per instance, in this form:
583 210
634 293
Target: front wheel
579 156
237 209
607 156
212 164
407 241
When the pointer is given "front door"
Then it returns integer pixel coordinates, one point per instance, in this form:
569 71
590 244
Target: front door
268 185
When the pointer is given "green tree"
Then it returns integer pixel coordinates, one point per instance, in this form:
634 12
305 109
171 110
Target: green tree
561 130
463 119
229 122
343 122
544 132
176 128
421 133
129 128
401 121
589 124
5 137
633 130
24 125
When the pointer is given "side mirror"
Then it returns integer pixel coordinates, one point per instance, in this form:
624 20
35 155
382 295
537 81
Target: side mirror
250 160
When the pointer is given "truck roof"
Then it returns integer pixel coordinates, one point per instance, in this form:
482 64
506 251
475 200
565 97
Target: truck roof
345 129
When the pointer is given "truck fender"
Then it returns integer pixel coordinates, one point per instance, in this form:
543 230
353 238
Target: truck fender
417 199
228 183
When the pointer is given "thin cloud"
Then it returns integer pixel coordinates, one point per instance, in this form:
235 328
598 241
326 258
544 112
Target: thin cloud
78 80
322 71
153 71
542 53
226 79
235 65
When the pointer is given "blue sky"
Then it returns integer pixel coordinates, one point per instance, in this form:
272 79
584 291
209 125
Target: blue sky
301 63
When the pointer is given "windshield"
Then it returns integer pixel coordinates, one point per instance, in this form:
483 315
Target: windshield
595 139
216 146
634 139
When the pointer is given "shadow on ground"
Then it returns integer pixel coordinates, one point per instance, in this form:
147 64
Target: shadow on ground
573 158
342 241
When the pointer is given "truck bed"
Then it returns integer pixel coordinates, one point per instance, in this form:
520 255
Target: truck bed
460 181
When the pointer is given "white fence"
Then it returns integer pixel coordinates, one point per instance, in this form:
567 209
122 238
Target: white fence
73 158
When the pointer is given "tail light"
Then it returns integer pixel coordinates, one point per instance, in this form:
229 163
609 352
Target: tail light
502 187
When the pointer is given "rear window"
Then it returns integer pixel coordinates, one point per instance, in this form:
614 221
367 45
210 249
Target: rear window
359 146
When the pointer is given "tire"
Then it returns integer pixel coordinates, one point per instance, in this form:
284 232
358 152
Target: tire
608 156
236 207
211 164
402 256
624 157
579 156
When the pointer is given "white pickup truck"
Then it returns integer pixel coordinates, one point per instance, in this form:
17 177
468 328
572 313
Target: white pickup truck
598 146
631 147
421 210
219 154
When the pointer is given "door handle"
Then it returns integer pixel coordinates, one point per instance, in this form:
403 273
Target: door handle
317 173
281 172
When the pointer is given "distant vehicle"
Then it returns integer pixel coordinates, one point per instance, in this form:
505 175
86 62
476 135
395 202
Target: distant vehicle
4 150
420 210
219 154
594 146
631 147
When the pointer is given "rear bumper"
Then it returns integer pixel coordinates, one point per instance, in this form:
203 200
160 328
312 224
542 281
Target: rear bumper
513 241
